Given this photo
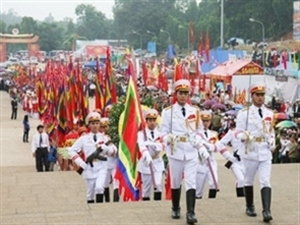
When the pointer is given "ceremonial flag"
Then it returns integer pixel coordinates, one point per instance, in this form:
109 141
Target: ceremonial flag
127 173
191 32
207 46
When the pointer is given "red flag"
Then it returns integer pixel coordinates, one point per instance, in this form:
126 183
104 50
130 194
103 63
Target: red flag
191 31
207 46
200 46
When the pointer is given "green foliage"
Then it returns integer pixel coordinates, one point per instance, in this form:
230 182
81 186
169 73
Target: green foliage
114 118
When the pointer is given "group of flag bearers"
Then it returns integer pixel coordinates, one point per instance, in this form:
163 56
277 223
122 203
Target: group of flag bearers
184 136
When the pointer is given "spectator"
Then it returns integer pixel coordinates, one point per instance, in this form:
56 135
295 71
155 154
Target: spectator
52 156
14 108
26 128
293 150
40 147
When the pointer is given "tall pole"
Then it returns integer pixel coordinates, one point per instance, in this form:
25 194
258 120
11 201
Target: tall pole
188 37
222 25
263 40
141 38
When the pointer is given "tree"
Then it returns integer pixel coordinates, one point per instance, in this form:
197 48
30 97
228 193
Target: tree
28 25
2 26
51 36
70 41
91 23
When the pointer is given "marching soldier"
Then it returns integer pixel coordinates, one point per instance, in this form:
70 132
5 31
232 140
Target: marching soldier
111 165
203 172
236 165
95 147
149 140
255 128
179 127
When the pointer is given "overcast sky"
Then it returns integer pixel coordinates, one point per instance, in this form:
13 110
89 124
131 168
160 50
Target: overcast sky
39 9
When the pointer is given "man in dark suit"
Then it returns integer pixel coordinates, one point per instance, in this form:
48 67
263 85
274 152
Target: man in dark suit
14 108
296 109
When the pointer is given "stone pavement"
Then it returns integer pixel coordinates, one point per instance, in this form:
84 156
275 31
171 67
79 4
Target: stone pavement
58 197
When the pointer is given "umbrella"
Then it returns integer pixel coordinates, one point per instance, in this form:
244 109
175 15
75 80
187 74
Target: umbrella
237 107
281 116
218 106
286 124
210 102
232 112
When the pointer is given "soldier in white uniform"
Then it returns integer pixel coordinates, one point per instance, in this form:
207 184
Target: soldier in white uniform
236 165
111 165
203 173
255 128
94 172
179 127
150 140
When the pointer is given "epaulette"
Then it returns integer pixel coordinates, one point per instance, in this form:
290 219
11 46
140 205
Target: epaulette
167 108
246 108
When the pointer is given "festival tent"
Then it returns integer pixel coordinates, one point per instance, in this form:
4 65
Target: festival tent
235 76
219 56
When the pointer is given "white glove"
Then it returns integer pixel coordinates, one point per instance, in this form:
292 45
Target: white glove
203 153
169 138
106 149
146 158
272 144
196 141
242 136
209 147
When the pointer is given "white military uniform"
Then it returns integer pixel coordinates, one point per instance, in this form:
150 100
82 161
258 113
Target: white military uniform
183 157
203 172
111 167
256 154
157 161
94 176
111 161
237 167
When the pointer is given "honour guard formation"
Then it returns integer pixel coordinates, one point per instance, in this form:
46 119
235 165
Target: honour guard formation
135 121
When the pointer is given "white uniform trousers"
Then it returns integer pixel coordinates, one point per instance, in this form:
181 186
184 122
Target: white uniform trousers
96 185
203 174
148 184
188 168
238 171
110 177
264 171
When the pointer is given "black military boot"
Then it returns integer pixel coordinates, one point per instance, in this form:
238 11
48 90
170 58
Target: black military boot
212 193
175 203
190 206
146 199
157 196
116 195
266 203
240 192
99 198
250 210
106 195
90 201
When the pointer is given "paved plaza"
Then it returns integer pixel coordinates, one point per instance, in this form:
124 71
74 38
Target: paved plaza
29 198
